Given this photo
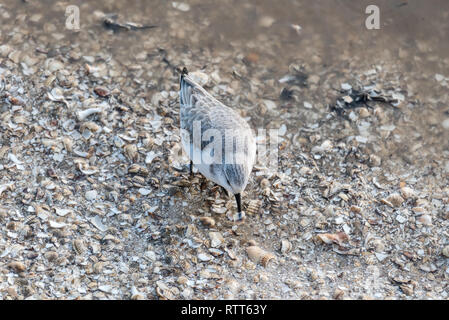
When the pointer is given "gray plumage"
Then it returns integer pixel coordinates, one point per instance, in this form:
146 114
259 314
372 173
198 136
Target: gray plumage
238 151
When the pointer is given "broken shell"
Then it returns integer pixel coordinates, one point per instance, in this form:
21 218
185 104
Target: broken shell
200 77
98 267
395 199
138 169
425 219
264 183
51 255
164 292
286 246
375 160
92 126
68 143
56 95
208 221
252 242
329 238
258 255
78 245
82 115
216 239
376 244
102 91
137 296
138 181
445 251
338 294
17 266
254 207
408 192
131 152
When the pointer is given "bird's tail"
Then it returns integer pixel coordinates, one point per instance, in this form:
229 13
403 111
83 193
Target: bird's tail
184 92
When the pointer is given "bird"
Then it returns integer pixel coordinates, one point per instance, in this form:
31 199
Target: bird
226 151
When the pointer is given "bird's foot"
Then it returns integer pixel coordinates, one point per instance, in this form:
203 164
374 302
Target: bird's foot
236 217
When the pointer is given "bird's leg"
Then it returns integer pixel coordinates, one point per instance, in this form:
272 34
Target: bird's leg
238 198
240 213
191 168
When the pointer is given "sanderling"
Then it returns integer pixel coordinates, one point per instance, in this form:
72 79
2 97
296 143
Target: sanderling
206 122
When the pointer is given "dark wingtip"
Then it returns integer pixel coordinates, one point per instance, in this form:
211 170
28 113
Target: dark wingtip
183 73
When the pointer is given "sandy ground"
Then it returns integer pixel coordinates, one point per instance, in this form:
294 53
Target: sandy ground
95 204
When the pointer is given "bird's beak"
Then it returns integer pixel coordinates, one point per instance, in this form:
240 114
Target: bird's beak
240 213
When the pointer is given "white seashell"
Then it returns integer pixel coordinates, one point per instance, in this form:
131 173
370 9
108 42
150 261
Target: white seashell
82 115
445 251
91 195
182 6
105 288
216 239
56 95
87 172
324 147
5 187
96 221
296 27
150 157
286 246
425 219
144 191
204 257
62 212
14 159
56 225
